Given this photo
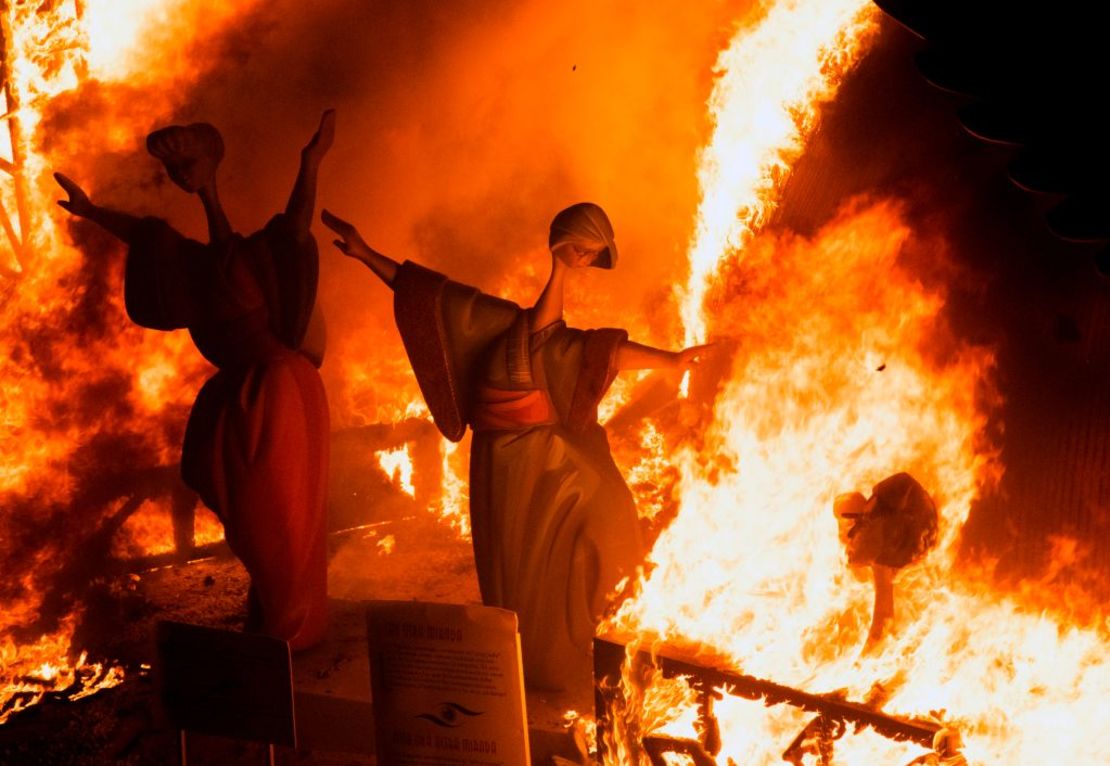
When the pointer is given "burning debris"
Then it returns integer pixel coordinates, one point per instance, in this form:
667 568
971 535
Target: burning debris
614 663
87 445
844 366
892 529
57 678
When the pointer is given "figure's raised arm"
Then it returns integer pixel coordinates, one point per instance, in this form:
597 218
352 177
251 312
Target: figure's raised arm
121 225
302 200
352 244
636 356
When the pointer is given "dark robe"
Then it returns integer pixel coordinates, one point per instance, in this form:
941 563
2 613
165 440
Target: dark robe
256 445
554 525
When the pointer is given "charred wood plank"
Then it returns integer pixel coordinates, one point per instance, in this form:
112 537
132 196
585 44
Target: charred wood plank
609 657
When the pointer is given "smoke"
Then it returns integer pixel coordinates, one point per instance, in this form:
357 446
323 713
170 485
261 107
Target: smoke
462 129
464 126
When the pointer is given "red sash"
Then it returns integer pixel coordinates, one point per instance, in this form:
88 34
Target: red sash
499 409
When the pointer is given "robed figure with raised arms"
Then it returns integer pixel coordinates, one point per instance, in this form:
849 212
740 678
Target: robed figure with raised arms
554 525
256 444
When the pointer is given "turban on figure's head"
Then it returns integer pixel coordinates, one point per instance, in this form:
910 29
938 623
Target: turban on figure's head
199 139
587 224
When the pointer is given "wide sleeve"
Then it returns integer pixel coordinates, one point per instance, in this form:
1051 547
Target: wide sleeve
445 326
579 367
599 369
289 275
163 277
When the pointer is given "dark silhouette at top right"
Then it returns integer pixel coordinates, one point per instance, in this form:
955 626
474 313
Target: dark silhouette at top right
1033 77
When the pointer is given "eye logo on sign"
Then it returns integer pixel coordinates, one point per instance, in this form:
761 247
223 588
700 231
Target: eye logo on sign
450 715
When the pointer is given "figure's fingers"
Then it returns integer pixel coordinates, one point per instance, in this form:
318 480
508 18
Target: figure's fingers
697 353
335 223
342 246
325 133
66 182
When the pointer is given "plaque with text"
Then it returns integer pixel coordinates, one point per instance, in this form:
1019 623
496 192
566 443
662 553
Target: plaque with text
446 685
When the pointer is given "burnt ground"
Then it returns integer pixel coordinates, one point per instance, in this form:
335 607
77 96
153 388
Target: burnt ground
412 558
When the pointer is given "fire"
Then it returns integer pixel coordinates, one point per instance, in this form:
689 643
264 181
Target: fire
92 406
207 528
31 671
844 377
397 464
762 115
652 477
133 39
150 532
454 503
846 373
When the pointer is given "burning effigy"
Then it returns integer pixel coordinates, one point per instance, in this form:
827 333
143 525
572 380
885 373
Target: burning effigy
773 618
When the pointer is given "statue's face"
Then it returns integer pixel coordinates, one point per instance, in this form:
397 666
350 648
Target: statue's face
577 255
191 172
848 508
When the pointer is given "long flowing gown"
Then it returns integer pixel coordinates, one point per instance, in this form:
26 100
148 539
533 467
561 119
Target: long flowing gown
256 444
554 525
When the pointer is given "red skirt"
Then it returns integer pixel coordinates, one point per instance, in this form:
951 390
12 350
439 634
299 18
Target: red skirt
256 450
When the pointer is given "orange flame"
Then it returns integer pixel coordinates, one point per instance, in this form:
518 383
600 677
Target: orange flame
454 503
762 115
846 374
57 356
840 384
397 464
29 672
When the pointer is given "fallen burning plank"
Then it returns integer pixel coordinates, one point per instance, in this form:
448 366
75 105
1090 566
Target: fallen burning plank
609 657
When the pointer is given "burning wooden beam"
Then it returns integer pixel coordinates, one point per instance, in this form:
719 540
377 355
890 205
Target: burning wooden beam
52 34
833 710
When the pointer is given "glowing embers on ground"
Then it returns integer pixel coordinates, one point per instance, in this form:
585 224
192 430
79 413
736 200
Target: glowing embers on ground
846 373
32 671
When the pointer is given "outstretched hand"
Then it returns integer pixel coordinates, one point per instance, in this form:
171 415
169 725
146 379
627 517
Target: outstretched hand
322 139
689 357
350 241
78 203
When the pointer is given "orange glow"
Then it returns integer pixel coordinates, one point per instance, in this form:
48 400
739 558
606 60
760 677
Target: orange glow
148 531
397 464
64 385
762 113
207 529
846 374
132 39
454 504
845 371
30 671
